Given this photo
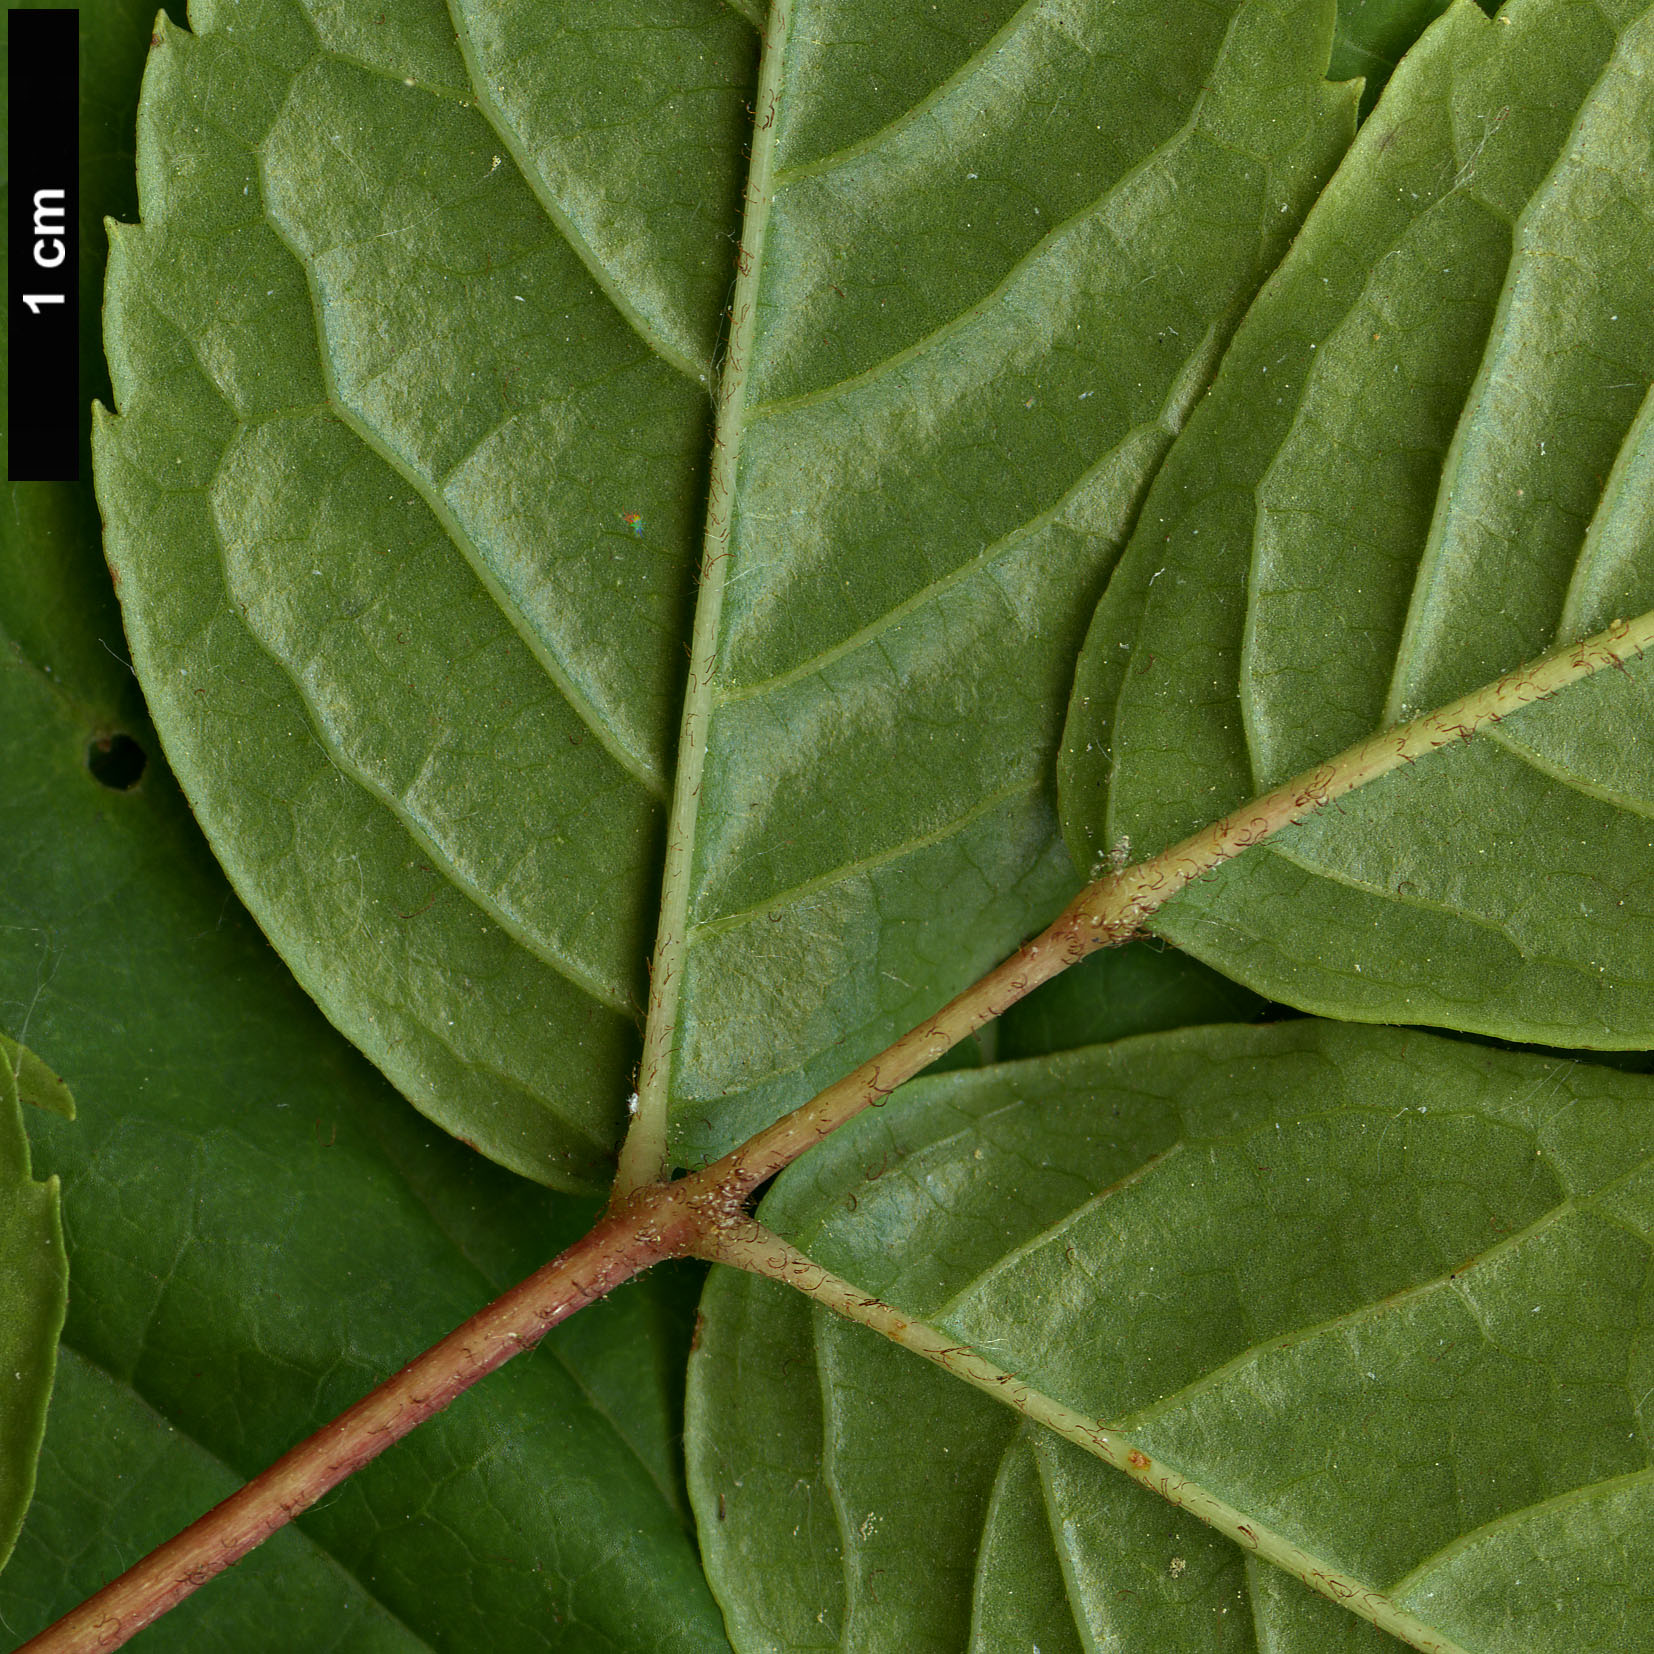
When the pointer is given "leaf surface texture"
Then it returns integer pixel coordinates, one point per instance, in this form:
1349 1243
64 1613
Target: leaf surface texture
980 313
404 496
412 350
1422 463
1385 1294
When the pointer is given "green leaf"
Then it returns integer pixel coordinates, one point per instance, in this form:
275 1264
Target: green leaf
978 318
411 350
34 1282
428 301
260 1231
1372 36
1384 1293
1420 464
1141 988
31 1081
404 499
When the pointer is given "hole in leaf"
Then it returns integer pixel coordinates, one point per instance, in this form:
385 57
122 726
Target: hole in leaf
116 761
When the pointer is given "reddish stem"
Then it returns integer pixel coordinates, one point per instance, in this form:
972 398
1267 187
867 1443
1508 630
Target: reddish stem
696 1213
623 1244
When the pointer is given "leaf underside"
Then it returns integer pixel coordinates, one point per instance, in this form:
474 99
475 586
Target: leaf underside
1426 459
258 1227
260 1230
982 315
403 502
1386 1294
411 351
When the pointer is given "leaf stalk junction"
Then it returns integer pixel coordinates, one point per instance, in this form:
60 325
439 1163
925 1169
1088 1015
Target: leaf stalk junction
706 1213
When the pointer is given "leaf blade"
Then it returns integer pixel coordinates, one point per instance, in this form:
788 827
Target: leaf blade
1478 911
476 889
1136 1299
872 824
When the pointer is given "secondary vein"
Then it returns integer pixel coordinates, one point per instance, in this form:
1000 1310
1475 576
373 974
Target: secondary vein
636 764
646 330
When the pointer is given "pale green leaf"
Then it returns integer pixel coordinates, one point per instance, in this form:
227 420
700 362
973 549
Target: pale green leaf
404 497
1422 462
1385 1294
33 1082
411 350
980 313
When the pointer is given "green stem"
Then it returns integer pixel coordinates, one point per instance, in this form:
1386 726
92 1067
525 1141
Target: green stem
644 1155
1115 908
759 1251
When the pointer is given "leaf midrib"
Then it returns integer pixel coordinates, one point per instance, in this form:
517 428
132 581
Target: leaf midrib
735 416
1104 1441
644 1154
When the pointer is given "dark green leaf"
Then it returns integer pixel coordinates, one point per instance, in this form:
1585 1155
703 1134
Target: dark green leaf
1371 37
260 1230
34 1279
1142 988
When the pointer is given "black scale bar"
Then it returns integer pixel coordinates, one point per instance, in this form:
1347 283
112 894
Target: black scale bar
43 270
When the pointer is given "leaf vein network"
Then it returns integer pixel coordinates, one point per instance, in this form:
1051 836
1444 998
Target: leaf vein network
610 995
862 864
977 63
580 703
1008 542
697 372
1001 291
